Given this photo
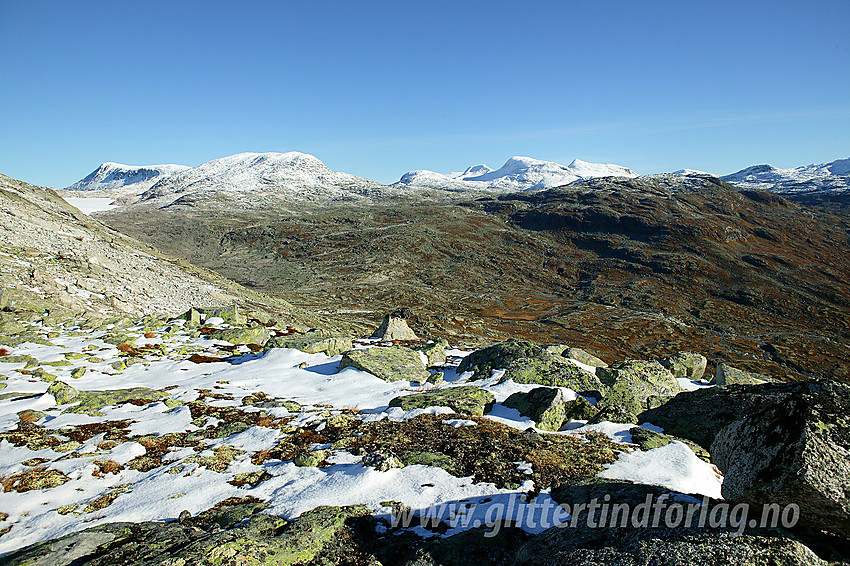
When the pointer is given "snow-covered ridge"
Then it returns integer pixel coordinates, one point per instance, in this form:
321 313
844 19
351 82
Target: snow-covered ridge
112 176
821 177
517 174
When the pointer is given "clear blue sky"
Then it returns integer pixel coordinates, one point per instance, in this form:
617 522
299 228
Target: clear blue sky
380 88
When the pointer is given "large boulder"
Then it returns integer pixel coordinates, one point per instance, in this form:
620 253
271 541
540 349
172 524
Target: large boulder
393 363
794 451
464 400
636 385
543 405
394 327
526 362
688 365
312 342
258 335
435 352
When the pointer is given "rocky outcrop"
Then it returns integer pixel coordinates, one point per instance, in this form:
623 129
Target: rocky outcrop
464 400
393 363
543 405
525 362
394 327
795 450
435 352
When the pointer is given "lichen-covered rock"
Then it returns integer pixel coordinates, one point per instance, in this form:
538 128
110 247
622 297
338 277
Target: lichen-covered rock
543 405
579 409
230 314
252 335
688 365
393 363
394 326
313 342
464 400
613 412
310 459
62 392
793 451
636 385
436 378
727 375
525 362
435 351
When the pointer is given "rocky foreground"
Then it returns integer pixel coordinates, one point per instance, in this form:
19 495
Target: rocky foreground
236 440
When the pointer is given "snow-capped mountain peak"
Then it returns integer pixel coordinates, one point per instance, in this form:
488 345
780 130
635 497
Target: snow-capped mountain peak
519 173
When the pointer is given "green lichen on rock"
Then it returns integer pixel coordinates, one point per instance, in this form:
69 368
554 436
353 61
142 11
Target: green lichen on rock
435 352
464 400
20 359
252 335
89 402
394 363
579 409
687 365
636 385
62 392
526 362
313 342
77 373
543 405
728 375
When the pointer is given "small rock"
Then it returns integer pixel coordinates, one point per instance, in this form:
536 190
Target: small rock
310 459
543 405
687 365
381 460
728 375
464 400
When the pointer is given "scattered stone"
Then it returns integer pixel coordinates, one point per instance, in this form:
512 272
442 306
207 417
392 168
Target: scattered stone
543 405
687 365
393 363
394 326
77 373
63 393
464 400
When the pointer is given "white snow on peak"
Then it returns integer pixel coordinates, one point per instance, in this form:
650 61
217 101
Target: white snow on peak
519 173
288 173
126 178
821 177
690 172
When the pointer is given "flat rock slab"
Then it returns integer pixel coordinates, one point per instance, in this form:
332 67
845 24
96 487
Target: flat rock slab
254 335
312 343
393 363
464 400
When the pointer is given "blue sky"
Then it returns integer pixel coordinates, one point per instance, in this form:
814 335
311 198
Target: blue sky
380 88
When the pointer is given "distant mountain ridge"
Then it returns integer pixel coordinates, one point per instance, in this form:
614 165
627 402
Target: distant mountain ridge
822 177
517 174
124 178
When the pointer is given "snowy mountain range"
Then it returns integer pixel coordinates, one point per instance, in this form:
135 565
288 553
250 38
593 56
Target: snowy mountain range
517 174
822 177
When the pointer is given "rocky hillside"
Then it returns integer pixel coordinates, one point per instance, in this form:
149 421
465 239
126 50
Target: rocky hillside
55 259
629 267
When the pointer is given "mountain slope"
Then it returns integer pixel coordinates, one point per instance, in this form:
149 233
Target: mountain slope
54 258
517 174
